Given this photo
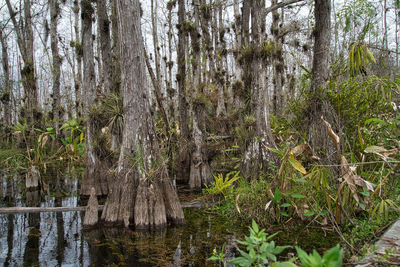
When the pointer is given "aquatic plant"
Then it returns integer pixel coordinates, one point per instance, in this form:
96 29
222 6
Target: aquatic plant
262 251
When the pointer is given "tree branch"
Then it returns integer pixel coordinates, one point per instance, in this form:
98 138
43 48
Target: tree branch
280 5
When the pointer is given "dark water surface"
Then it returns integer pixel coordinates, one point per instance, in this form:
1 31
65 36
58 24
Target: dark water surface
57 239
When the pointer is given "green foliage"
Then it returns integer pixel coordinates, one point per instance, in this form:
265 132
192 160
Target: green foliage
218 256
385 131
383 208
332 258
223 186
12 159
359 58
356 102
74 143
262 251
38 153
356 15
259 250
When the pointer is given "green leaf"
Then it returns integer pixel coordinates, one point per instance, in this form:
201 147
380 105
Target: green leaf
309 213
65 125
254 226
365 193
374 149
213 258
324 212
280 249
334 257
275 151
240 261
295 195
277 196
73 123
286 205
283 264
297 165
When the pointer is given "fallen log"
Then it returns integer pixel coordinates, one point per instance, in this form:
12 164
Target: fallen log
42 209
9 210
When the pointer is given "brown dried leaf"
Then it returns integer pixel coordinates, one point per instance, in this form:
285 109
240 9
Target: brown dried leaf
267 205
353 180
236 203
302 149
334 137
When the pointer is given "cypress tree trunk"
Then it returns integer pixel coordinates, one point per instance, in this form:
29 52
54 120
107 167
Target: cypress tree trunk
6 98
317 133
25 41
200 173
56 72
78 54
142 194
183 159
103 24
96 171
277 62
256 154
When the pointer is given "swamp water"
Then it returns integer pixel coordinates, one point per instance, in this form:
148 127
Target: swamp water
58 239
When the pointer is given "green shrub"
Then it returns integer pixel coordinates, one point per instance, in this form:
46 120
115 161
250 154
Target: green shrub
262 251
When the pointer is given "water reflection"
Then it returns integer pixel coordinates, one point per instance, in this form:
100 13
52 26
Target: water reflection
58 239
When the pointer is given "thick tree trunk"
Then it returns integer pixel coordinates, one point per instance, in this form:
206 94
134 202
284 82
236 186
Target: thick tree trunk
103 24
278 64
156 78
256 155
221 58
116 68
56 71
7 95
78 54
200 173
28 72
142 193
169 63
96 172
317 134
183 159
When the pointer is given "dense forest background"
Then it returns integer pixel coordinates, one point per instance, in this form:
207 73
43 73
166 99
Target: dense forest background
274 97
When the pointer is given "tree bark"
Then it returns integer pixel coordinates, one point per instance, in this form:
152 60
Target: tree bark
142 193
200 173
317 134
183 159
221 54
104 39
7 94
25 40
96 171
256 154
91 213
278 64
116 68
56 70
78 54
